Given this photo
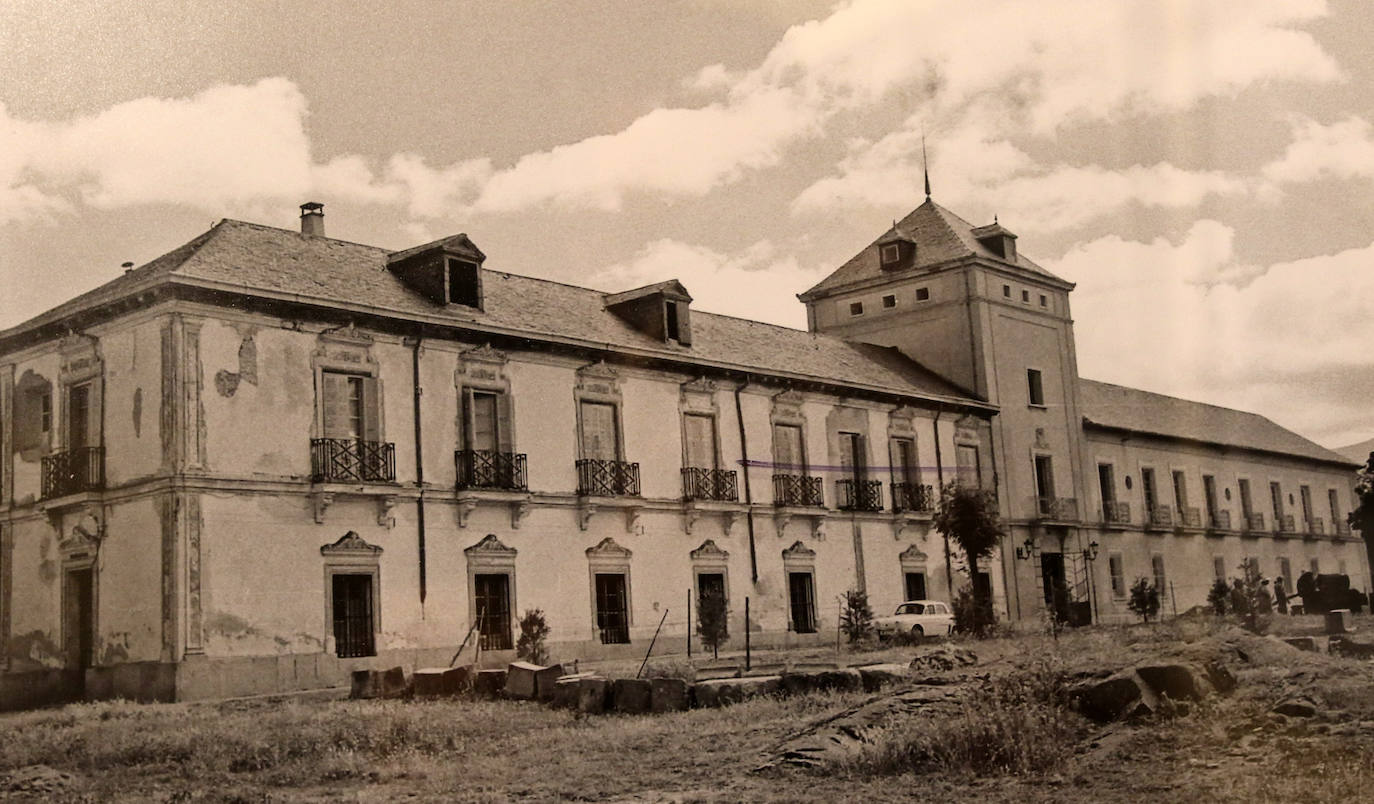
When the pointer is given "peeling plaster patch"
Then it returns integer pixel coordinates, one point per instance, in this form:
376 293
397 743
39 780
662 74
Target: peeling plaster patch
116 649
248 359
47 571
30 439
309 639
229 625
35 647
138 413
226 382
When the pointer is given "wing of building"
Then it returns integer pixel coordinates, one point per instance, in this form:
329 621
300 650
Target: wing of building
269 457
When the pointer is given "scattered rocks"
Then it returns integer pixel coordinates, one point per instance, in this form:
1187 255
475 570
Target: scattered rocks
1296 707
39 781
1349 648
877 676
942 659
1181 682
845 734
1120 696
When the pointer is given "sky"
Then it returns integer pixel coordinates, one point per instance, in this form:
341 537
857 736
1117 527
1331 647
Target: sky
1204 171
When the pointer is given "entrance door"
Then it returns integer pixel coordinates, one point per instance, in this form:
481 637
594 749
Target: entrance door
802 596
915 586
353 615
78 617
711 585
491 593
612 609
1056 586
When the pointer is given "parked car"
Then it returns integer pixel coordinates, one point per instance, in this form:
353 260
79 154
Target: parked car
918 618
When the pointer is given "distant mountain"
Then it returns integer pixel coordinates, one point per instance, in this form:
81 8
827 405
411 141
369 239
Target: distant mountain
1358 452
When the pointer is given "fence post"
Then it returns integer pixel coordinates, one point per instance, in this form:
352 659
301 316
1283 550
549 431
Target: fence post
746 634
1173 599
689 623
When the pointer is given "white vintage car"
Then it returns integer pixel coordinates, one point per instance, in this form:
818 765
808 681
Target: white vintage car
919 618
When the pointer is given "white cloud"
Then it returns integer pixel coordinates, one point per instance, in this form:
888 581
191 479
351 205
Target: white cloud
757 283
1341 150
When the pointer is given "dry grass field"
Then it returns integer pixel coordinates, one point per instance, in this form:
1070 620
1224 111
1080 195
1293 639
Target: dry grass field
1011 739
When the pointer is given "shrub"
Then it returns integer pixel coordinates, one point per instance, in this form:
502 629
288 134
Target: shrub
972 616
712 620
1217 597
856 618
533 632
1144 599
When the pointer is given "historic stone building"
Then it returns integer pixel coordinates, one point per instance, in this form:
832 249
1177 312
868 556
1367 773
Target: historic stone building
269 457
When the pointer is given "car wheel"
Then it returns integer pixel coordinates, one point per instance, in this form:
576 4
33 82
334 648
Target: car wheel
918 634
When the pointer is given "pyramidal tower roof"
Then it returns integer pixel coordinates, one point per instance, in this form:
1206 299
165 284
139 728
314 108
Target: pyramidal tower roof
940 237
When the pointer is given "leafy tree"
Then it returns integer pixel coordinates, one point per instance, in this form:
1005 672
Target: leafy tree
1144 599
1217 596
968 515
533 631
712 620
1362 518
971 615
856 618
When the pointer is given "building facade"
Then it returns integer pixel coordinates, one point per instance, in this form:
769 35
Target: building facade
270 457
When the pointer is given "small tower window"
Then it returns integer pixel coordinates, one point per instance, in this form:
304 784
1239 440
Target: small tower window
1025 296
1006 291
1035 389
892 253
889 301
1044 300
922 294
856 308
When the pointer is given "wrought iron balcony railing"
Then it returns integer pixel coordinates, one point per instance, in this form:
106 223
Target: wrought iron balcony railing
1160 516
1190 517
73 471
350 460
913 497
859 495
1316 526
1285 524
597 477
1219 520
1342 528
1116 512
1254 522
709 484
1063 509
487 469
797 490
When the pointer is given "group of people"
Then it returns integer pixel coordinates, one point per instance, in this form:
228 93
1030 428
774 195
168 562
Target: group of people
1262 601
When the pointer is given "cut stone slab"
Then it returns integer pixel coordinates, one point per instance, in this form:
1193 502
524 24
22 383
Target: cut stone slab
489 683
846 680
1122 695
1349 648
1181 682
725 691
364 685
668 695
546 681
1306 643
632 696
1339 621
567 689
521 682
592 695
1296 707
877 676
436 682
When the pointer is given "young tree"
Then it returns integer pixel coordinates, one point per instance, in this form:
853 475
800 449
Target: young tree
712 620
1218 595
968 515
533 631
1362 518
856 618
1144 599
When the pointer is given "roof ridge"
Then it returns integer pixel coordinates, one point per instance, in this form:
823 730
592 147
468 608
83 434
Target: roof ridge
1181 399
268 227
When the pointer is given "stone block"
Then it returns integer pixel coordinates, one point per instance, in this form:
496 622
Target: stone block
521 680
1181 682
565 690
668 695
436 682
1339 621
1296 707
393 683
790 684
546 681
877 676
725 691
846 680
593 695
1119 696
1306 643
364 685
632 696
489 683
1349 648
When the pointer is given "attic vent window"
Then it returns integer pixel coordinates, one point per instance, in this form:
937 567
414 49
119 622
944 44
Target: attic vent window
891 253
856 308
889 301
463 283
922 294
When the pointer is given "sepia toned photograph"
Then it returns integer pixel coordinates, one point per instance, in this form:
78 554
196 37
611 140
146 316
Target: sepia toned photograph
686 401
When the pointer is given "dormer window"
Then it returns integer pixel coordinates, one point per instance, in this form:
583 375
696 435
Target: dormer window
674 332
896 250
447 271
892 253
464 284
661 311
998 240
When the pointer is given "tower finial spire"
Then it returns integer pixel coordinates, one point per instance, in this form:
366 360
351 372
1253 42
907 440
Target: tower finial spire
925 165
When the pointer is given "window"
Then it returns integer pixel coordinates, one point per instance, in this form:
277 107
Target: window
1006 291
915 584
44 405
788 455
852 463
483 420
1044 300
78 416
1147 488
491 596
1209 496
1025 296
1157 567
889 301
612 608
891 253
1180 490
902 453
856 308
968 469
1219 568
1044 477
350 406
464 283
1286 572
1246 505
673 332
699 435
1305 493
1333 502
352 600
1276 498
922 294
712 585
1035 387
801 598
1118 572
600 431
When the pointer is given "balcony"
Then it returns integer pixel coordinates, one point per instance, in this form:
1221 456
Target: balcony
487 469
915 497
74 471
349 460
1316 527
709 484
859 495
1116 512
605 478
1159 517
1285 524
1342 530
1061 509
1254 523
1189 517
1218 520
797 490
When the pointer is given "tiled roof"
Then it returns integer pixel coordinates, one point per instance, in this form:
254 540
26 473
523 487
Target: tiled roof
262 260
1124 408
940 236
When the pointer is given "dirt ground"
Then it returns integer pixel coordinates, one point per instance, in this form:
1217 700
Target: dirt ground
1226 748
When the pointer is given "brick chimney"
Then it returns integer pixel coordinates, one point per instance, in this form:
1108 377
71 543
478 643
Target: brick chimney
312 219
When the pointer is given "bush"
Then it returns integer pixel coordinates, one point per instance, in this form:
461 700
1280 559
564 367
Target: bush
1217 597
856 618
1144 599
533 632
972 616
712 620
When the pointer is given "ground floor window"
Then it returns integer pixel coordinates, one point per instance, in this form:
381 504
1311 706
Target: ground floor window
352 604
915 585
1118 573
491 593
801 593
612 608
